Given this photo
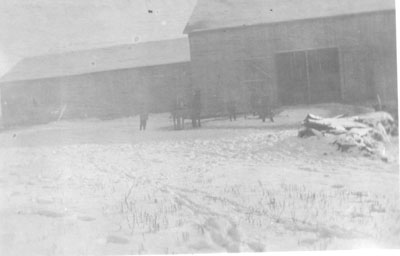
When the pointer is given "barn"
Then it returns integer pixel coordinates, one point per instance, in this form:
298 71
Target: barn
293 52
98 83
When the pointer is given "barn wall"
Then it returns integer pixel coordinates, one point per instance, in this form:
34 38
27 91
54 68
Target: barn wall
24 102
226 60
102 95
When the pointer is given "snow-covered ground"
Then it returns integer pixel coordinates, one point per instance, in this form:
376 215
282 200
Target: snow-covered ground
103 187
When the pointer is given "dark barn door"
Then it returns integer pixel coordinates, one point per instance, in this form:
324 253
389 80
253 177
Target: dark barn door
308 76
292 77
324 75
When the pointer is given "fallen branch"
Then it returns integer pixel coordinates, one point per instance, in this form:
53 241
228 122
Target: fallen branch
366 132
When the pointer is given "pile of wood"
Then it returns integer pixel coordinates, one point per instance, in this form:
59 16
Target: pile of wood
367 132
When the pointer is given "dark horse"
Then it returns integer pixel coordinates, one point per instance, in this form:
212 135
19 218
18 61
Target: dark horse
181 111
179 116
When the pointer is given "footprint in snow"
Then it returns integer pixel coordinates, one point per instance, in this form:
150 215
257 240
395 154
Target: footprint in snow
224 234
86 218
15 193
256 247
117 240
45 200
50 214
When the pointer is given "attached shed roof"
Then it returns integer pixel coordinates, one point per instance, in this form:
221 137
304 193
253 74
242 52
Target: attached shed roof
217 14
103 59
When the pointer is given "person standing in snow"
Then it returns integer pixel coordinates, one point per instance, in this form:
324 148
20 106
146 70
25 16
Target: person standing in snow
144 115
232 109
177 109
265 109
196 109
253 101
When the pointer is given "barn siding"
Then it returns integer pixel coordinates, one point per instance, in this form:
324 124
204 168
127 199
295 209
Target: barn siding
103 95
366 43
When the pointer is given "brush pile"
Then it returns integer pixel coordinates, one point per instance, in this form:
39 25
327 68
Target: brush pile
367 133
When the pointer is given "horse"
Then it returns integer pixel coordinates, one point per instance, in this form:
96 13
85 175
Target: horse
179 112
182 113
179 116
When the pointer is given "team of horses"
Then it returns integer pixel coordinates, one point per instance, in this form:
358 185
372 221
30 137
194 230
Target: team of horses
182 112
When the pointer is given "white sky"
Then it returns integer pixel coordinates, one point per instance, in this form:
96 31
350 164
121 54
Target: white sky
36 27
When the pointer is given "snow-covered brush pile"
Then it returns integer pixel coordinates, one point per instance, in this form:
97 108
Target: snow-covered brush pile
367 133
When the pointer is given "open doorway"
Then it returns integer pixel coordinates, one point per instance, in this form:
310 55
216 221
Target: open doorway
306 77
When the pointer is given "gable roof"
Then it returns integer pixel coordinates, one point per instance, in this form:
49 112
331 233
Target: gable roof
102 59
217 14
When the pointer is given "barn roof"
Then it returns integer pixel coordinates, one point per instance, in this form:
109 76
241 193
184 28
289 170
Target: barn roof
102 59
217 14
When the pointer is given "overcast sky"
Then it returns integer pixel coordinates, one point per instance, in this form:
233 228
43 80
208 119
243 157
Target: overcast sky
36 27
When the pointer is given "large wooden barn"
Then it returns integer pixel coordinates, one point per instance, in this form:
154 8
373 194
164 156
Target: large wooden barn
103 83
296 52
